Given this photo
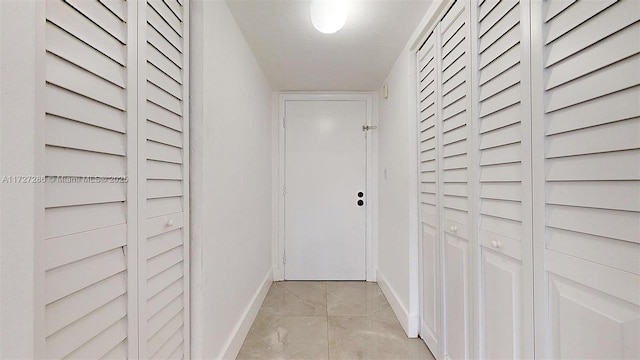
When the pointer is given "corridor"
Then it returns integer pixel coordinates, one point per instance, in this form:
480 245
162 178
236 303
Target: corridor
328 320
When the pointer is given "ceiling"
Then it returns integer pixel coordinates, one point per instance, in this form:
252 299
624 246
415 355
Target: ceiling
295 56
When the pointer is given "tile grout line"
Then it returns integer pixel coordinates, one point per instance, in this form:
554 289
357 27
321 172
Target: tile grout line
326 298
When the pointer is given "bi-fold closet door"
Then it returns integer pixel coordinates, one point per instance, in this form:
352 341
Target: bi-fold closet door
548 92
446 156
115 248
586 77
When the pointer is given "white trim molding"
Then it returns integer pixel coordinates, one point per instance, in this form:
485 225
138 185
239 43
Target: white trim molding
240 331
409 321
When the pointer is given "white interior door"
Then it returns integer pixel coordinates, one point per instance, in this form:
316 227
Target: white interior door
325 182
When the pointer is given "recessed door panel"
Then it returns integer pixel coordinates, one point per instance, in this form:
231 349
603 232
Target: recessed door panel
457 296
431 279
501 305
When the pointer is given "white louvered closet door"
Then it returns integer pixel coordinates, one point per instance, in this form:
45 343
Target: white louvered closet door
90 216
454 154
587 57
428 79
163 177
503 129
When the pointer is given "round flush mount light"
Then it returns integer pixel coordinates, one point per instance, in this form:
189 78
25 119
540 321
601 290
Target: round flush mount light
329 16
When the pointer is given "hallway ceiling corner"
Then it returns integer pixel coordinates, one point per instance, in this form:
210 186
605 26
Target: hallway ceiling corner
296 57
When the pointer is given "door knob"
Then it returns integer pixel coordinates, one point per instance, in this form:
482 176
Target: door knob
495 244
169 222
454 228
360 202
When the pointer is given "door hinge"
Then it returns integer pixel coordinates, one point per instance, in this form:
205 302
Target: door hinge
284 122
284 190
284 258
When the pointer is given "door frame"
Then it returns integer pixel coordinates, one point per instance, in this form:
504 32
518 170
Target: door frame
278 176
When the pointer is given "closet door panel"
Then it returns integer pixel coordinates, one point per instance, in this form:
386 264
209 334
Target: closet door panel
90 192
428 79
588 56
502 106
163 169
454 154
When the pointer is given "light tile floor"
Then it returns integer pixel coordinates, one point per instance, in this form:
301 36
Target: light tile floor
328 320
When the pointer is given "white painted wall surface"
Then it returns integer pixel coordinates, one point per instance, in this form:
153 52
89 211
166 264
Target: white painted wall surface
231 182
398 259
393 221
20 115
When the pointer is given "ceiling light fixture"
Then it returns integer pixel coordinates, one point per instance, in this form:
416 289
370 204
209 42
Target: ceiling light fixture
329 16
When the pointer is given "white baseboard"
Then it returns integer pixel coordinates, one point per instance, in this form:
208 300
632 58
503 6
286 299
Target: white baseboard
244 325
410 323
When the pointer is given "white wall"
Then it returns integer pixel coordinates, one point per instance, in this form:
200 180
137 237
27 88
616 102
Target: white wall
398 259
394 190
231 182
20 117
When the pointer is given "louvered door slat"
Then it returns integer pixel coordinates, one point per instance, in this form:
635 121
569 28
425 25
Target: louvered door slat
95 140
164 123
69 162
162 62
83 331
70 48
67 249
166 296
66 75
590 132
101 345
615 18
163 28
167 15
65 104
73 219
177 8
171 346
66 311
103 17
117 7
164 335
74 22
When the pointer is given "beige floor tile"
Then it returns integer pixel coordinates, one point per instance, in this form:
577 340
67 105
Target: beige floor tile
346 298
296 298
377 304
328 320
286 337
372 338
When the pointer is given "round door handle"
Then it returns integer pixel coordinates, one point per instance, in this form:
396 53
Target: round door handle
454 228
360 202
170 222
495 244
